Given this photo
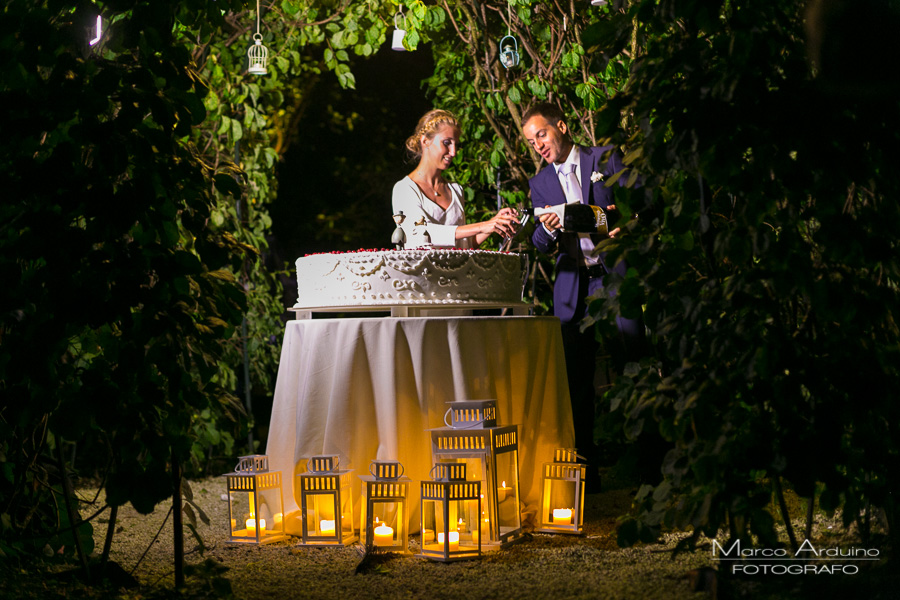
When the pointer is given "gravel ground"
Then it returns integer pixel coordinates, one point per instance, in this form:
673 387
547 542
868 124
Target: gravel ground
555 567
542 566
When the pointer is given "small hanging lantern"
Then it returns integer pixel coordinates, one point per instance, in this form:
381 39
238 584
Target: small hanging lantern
491 456
399 32
98 31
562 497
326 503
385 513
258 54
599 2
509 52
509 45
255 502
451 509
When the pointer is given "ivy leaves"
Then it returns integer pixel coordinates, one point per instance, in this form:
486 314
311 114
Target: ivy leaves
746 275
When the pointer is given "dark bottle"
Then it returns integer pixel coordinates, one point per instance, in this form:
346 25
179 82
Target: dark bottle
576 217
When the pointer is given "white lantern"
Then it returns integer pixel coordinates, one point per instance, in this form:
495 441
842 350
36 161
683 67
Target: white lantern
326 503
385 514
491 456
257 56
562 497
450 512
399 33
255 502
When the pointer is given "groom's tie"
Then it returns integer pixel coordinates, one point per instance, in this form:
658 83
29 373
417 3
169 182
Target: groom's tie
573 194
573 189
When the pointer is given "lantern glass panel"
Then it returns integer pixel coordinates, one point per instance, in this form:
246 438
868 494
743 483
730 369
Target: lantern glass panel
450 533
507 482
386 514
247 515
562 496
320 513
346 507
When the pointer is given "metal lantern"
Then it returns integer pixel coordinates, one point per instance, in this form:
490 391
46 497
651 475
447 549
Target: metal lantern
509 52
255 502
385 510
257 56
326 503
450 514
491 456
399 33
599 2
562 496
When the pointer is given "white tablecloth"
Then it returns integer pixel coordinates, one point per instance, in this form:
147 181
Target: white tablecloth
368 388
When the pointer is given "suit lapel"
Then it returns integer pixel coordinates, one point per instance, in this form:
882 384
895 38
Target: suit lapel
587 167
552 189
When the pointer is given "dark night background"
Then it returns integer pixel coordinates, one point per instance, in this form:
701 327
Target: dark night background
334 185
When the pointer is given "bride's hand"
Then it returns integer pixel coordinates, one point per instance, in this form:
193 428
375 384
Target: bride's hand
503 223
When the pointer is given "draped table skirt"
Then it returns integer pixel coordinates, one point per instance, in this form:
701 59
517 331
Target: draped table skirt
367 388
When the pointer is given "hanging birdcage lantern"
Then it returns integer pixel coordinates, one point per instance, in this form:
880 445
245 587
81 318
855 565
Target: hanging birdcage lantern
509 52
399 32
255 502
450 513
257 55
385 508
326 503
491 456
562 495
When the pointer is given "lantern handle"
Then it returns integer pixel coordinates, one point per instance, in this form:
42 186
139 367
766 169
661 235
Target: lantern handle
400 15
469 426
334 467
373 469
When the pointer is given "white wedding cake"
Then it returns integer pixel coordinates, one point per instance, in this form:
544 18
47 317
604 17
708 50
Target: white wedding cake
410 277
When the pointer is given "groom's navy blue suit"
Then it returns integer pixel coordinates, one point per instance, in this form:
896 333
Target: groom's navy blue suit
574 283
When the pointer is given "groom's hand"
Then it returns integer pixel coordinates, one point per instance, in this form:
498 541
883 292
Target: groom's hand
550 220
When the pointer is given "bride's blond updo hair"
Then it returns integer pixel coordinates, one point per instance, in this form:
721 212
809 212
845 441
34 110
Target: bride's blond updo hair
428 126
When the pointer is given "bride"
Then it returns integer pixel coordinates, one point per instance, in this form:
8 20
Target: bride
425 194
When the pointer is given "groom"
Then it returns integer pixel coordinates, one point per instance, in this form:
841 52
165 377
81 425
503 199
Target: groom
577 174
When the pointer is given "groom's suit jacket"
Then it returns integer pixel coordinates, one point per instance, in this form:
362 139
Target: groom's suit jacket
546 190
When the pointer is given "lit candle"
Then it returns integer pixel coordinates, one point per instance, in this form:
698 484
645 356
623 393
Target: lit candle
503 492
461 526
251 525
384 535
453 539
562 516
428 535
326 527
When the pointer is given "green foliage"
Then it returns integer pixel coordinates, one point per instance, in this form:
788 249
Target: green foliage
119 295
765 262
254 121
